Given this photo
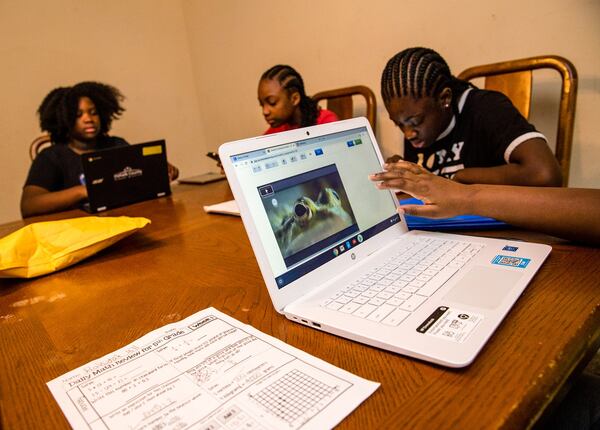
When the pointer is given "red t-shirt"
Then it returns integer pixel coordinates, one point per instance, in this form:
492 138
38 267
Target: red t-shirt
324 117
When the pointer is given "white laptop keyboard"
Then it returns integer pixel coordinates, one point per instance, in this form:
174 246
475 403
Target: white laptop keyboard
391 291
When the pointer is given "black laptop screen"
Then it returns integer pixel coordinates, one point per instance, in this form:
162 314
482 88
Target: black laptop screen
125 174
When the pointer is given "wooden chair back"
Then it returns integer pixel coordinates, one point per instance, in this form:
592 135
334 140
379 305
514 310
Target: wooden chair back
38 144
514 79
340 101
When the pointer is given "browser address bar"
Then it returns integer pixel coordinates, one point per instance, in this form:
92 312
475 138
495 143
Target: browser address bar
282 148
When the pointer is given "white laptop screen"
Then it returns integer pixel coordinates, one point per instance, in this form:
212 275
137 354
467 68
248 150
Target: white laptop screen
311 200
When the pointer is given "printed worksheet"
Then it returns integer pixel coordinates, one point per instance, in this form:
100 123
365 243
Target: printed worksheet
208 371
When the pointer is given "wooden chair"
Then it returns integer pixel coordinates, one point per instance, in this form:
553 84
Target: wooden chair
514 79
38 144
340 101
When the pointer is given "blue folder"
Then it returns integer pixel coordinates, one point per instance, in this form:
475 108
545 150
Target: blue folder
462 222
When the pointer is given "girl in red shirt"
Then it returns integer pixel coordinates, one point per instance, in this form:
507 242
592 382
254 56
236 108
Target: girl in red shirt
284 102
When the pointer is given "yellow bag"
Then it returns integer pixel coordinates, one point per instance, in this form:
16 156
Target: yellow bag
45 247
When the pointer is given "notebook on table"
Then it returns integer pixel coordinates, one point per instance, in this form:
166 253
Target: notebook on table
203 178
125 174
336 256
460 222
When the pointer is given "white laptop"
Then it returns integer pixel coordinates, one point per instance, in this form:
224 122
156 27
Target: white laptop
336 256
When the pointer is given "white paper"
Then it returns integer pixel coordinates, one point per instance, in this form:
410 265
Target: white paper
208 371
229 207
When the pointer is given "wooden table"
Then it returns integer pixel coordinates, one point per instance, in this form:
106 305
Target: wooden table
187 260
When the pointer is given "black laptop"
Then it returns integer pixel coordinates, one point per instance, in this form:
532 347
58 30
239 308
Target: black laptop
126 174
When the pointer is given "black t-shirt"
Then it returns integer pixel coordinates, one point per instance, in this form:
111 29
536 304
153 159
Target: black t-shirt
485 132
58 167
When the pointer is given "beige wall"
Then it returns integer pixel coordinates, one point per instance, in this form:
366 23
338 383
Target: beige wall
189 68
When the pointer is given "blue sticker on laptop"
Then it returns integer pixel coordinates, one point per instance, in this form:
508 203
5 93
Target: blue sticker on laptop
510 248
505 260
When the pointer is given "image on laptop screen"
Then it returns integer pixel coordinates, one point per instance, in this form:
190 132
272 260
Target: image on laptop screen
311 200
308 212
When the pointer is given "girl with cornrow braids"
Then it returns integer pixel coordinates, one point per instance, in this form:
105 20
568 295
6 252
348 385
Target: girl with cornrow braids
284 102
458 131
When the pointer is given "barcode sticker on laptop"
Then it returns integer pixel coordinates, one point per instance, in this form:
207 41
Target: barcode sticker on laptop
505 260
450 324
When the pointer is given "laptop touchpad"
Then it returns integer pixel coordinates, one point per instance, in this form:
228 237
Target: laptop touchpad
483 287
